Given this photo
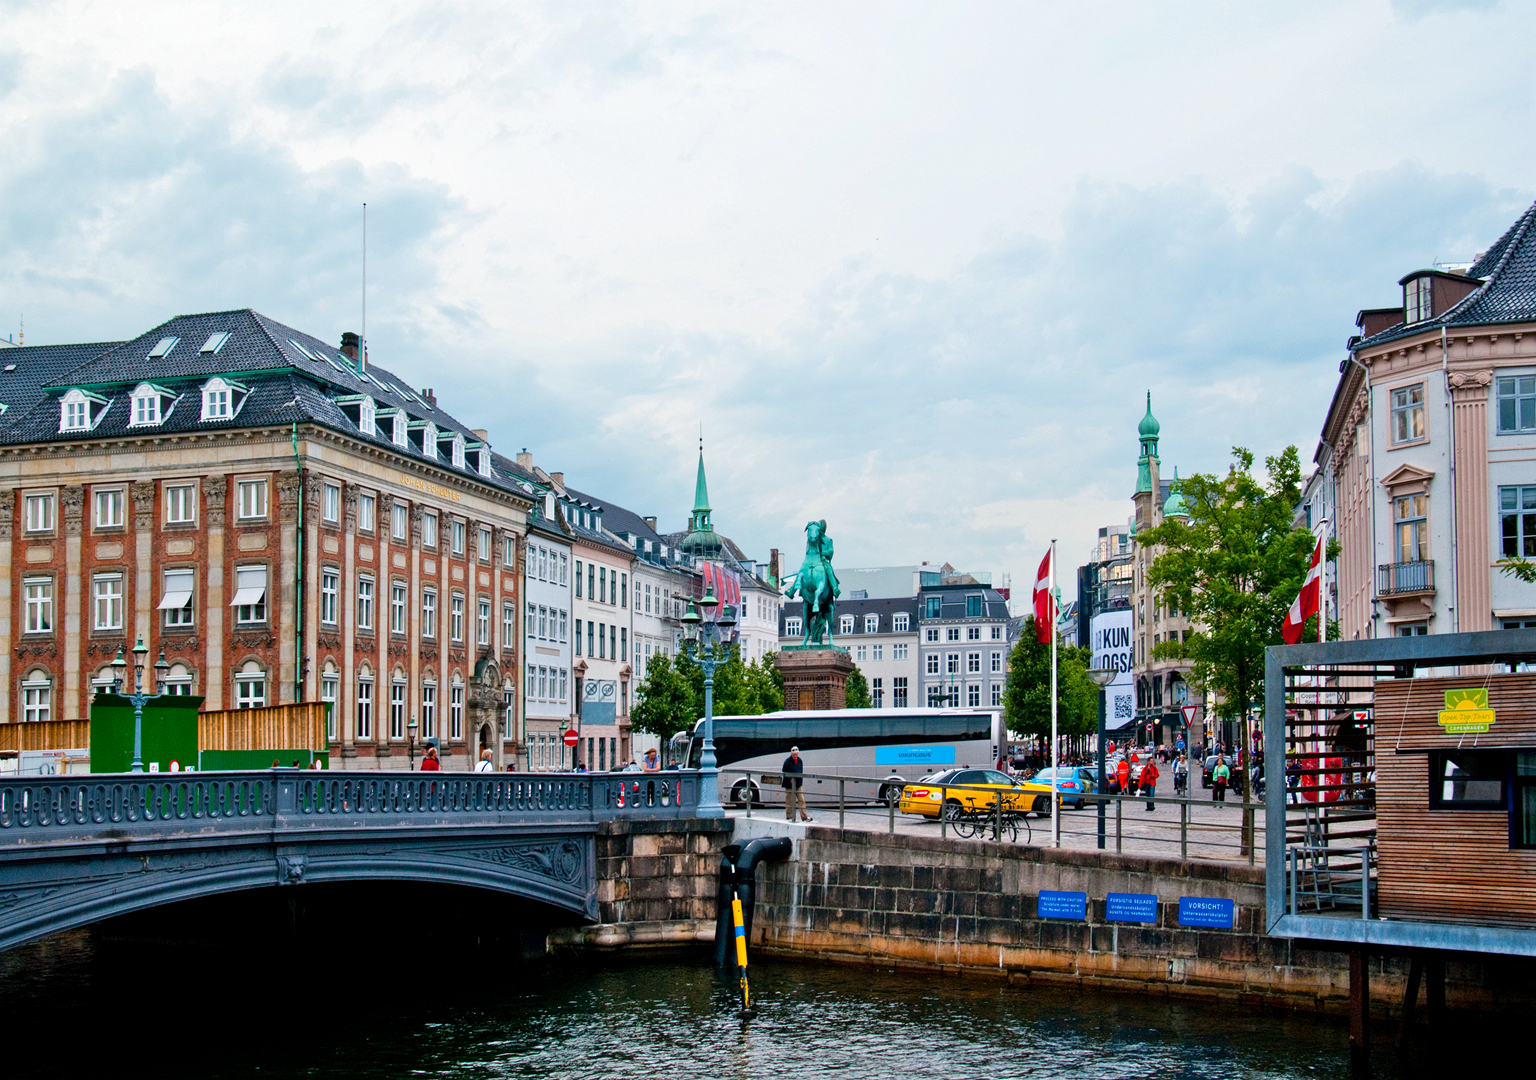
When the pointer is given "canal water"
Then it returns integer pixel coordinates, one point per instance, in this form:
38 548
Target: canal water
78 1001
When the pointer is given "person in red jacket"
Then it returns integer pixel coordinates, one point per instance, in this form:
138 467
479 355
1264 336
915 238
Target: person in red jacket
1149 780
430 762
1123 777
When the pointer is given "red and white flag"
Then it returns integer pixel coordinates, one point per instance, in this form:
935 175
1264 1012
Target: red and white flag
1045 603
1306 603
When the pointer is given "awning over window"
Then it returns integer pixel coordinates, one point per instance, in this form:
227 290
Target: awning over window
175 601
250 586
247 597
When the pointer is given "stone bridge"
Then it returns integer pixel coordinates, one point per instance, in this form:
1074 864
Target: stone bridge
76 850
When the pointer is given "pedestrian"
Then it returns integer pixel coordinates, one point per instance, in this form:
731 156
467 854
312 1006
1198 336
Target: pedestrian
1149 780
1123 777
276 764
651 763
1181 775
485 764
793 781
430 762
1219 780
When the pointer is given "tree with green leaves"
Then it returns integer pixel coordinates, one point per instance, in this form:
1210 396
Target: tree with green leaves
671 698
857 696
1027 694
1233 566
665 702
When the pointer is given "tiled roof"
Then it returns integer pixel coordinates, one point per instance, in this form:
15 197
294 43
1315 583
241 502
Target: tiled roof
36 366
1507 295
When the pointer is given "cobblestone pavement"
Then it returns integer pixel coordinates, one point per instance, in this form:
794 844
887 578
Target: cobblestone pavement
1213 831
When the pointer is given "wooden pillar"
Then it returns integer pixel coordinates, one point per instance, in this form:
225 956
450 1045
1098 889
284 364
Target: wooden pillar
1410 1000
1359 1009
1434 992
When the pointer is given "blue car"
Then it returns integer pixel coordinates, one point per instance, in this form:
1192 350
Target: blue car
1074 783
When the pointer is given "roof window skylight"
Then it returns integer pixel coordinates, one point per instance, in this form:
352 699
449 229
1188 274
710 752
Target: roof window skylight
215 342
301 349
10 367
164 347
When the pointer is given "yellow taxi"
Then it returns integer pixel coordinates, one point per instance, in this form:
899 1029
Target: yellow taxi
929 796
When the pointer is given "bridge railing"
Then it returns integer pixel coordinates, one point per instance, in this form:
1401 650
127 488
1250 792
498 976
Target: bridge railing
34 809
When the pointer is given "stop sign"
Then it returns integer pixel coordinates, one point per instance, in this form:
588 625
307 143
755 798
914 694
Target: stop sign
571 738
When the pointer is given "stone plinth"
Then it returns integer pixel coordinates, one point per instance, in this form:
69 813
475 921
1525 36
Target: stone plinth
815 678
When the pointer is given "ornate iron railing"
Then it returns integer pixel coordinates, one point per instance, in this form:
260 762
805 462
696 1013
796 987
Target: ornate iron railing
1395 578
31 808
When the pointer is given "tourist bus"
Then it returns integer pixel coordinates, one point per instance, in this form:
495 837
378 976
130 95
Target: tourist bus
884 747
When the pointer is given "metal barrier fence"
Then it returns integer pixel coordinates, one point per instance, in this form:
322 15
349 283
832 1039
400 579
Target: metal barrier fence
33 807
1208 832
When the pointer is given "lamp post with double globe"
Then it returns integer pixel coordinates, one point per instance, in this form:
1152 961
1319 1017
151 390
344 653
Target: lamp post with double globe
703 642
139 698
1101 677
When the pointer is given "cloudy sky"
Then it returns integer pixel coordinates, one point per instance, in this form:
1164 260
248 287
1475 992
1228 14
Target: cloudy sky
913 267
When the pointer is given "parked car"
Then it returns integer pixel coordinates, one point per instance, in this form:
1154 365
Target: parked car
928 798
1076 781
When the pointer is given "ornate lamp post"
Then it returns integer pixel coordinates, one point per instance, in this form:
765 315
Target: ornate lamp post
702 643
411 727
138 697
1101 677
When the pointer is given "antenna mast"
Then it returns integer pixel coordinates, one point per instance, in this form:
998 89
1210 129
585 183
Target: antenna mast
362 345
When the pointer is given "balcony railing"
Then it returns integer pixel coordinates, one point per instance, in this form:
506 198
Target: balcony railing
1395 579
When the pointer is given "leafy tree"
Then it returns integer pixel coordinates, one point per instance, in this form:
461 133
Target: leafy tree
858 691
1234 568
1027 694
665 703
764 685
1519 568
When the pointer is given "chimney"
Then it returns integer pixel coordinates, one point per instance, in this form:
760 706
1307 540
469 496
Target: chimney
651 521
429 397
349 345
559 479
481 434
525 459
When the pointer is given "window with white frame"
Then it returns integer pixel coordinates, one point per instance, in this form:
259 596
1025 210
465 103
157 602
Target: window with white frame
397 709
861 653
997 633
222 399
365 706
899 650
147 405
397 521
973 695
80 411
544 631
563 624
397 594
456 709
399 429
107 602
180 504
250 687
458 537
250 602
485 545
37 696
109 508
509 551
532 626
900 622
365 603
178 680
997 694
458 451
330 503
456 617
330 692
877 692
564 566
508 624
330 585
933 663
564 683
973 662
997 662
429 710
952 663
253 499
38 599
792 627
429 530
1517 402
483 623
365 512
878 652
429 613
1408 413
951 633
39 513
177 587
871 624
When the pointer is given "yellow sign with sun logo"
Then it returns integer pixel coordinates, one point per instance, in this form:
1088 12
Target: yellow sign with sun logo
1466 712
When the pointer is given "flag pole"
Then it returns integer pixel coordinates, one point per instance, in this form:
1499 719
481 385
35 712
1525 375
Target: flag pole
1055 741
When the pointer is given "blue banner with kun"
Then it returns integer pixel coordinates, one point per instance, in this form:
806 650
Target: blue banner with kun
1131 907
1062 905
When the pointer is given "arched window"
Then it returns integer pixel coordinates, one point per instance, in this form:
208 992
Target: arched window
222 398
251 686
429 704
365 702
456 708
178 680
37 695
330 692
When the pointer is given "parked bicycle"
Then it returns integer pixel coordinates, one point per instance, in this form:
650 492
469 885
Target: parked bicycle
984 824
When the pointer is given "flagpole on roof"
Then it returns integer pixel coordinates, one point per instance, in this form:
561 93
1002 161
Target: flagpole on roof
362 344
1055 742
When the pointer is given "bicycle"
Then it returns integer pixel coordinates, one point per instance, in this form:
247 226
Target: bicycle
979 822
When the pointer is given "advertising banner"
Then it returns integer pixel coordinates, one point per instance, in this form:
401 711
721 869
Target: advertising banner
1110 640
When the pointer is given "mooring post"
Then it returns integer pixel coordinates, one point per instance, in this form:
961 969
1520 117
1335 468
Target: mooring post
892 806
1359 1010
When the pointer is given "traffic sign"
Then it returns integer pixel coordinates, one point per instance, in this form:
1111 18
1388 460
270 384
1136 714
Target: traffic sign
1189 714
572 738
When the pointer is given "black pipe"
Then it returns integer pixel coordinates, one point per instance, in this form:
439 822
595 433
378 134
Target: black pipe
738 879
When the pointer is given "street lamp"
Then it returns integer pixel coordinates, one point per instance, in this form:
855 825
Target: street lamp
138 697
702 643
1101 677
411 727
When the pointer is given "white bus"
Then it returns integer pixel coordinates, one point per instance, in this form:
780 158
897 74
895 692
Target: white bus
886 746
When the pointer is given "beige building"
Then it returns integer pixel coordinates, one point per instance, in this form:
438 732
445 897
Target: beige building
282 521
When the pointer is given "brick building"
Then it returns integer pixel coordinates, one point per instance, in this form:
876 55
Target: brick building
283 520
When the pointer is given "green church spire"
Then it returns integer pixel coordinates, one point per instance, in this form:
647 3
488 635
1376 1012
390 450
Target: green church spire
700 487
701 538
1148 430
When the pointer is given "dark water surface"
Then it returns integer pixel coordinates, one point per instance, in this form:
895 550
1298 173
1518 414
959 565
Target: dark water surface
80 1000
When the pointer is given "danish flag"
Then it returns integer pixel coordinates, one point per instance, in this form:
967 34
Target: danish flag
1045 603
1306 603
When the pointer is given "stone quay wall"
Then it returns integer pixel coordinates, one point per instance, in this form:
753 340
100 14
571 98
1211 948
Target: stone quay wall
969 907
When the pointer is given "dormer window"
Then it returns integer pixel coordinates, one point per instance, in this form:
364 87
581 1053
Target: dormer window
399 425
361 410
1418 299
484 464
450 437
80 411
423 436
222 398
458 451
149 404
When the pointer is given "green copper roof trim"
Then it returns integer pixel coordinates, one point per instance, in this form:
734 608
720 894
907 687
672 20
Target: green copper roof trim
700 488
1147 430
1175 506
1149 426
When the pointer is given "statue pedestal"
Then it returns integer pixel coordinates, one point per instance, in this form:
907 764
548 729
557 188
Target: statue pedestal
815 678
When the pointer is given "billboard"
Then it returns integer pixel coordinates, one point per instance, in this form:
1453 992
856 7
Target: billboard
599 701
1110 640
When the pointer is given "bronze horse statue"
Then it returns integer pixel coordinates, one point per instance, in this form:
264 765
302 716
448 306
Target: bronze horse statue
817 585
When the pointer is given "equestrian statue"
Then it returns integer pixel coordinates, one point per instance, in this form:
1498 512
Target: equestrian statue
817 586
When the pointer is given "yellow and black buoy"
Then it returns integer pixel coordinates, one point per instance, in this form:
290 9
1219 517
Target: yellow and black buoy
741 955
